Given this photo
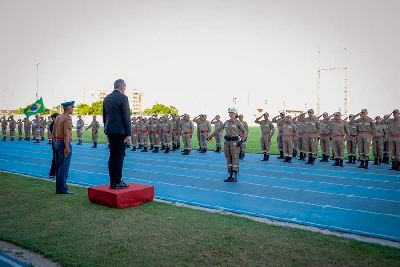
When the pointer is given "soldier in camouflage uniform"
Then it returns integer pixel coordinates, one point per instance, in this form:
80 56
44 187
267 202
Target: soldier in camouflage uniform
365 130
203 129
144 128
4 124
242 148
218 138
301 132
187 129
154 133
267 131
166 127
95 126
233 130
42 127
378 139
134 133
20 126
325 137
288 137
80 124
197 120
279 123
338 130
49 134
312 130
351 140
27 128
12 124
393 127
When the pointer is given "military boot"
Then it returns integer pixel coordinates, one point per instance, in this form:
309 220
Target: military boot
286 159
289 160
361 164
366 164
173 147
163 147
229 178
133 148
350 160
144 149
280 155
4 138
294 153
394 166
167 149
265 157
336 163
155 150
234 176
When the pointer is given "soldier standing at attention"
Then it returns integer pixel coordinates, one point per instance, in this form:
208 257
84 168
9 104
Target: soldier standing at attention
325 137
218 138
204 129
312 130
288 137
154 130
134 133
20 125
62 137
79 129
339 131
279 123
144 128
12 124
394 138
378 138
175 132
95 125
36 128
42 127
242 148
150 134
267 131
300 128
139 129
351 142
27 129
233 130
365 130
4 124
48 125
187 129
166 127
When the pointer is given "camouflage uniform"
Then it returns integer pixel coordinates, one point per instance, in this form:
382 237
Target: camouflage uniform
154 134
267 131
312 130
301 136
27 128
36 128
351 140
218 138
144 129
394 139
134 133
325 137
79 129
175 132
204 128
42 128
279 123
4 124
12 124
378 138
288 137
166 129
365 130
20 126
95 126
339 130
187 128
242 148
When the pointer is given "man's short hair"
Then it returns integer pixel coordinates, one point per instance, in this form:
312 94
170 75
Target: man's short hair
118 83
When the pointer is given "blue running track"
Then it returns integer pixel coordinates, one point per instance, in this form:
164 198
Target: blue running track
352 200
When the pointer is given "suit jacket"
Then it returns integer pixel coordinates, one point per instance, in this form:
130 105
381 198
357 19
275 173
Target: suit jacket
116 114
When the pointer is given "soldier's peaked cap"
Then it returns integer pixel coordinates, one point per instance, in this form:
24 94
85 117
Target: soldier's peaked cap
232 110
69 103
364 110
395 110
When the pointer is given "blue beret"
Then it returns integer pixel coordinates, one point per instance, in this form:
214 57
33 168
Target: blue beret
66 104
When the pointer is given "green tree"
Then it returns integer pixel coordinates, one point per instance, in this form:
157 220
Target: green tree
97 108
161 109
83 109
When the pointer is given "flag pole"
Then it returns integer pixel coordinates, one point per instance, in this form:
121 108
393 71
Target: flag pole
37 81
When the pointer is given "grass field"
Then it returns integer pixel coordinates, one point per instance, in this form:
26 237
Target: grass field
73 232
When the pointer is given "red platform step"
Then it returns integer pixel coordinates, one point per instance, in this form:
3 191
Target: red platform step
134 195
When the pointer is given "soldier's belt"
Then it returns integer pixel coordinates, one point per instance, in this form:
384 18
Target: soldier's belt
231 138
203 131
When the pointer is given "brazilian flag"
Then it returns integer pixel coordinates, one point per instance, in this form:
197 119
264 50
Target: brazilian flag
35 108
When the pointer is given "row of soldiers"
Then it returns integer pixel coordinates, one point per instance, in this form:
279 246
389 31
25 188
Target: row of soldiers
32 130
301 135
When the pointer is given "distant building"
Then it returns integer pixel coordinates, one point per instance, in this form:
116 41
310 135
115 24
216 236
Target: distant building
102 95
8 111
136 99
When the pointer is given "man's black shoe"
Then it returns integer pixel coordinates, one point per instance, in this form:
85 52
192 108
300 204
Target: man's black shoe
65 193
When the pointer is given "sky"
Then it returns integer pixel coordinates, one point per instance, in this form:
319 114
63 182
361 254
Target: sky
200 55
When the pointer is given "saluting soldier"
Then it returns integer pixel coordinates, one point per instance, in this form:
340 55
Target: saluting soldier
42 126
197 120
187 129
267 131
365 130
394 138
279 123
144 128
36 128
95 126
175 132
242 148
48 125
4 124
218 138
134 133
351 140
378 138
325 137
27 128
12 124
20 126
288 137
204 129
62 137
80 124
233 130
312 130
301 135
339 131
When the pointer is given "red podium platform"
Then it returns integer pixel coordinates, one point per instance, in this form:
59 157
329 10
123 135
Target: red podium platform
134 195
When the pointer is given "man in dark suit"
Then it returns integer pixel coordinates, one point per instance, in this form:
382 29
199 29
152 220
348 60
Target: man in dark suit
117 127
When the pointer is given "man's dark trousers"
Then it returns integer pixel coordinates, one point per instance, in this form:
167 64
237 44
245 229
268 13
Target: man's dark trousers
117 155
62 167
